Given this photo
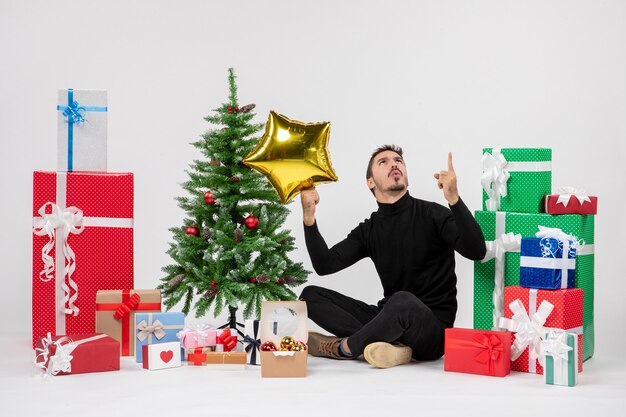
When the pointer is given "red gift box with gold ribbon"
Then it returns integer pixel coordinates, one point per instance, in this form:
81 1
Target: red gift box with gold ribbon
82 243
481 352
115 314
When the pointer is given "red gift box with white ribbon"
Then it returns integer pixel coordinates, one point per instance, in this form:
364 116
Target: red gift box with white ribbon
77 354
530 313
82 243
569 200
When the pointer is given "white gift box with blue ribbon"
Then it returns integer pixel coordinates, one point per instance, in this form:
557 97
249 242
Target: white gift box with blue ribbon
549 260
82 130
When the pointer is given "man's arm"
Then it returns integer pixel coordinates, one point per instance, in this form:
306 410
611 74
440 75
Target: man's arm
326 261
461 231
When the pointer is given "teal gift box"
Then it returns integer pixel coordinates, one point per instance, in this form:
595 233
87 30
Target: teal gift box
516 179
495 225
561 350
153 328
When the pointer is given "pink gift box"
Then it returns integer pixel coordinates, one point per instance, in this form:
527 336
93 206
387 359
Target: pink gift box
198 336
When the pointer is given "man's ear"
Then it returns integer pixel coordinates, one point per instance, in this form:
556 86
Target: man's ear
370 184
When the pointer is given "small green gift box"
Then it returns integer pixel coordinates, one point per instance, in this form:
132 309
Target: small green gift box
516 179
498 229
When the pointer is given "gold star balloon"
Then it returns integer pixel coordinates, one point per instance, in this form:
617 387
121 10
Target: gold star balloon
293 155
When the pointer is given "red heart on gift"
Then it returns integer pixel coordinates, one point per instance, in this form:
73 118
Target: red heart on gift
167 356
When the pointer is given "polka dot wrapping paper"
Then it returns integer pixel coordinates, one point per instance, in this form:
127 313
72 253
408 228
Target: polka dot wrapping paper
102 252
527 224
530 179
566 315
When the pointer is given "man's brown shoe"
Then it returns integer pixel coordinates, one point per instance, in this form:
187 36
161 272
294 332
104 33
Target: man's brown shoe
386 355
324 346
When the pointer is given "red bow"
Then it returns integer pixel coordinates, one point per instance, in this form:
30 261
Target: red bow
490 349
229 341
124 309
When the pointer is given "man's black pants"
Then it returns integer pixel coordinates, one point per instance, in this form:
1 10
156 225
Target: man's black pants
403 318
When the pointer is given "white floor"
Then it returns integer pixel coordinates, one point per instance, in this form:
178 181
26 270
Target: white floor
331 388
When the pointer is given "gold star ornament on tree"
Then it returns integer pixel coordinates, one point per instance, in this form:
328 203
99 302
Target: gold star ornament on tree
293 155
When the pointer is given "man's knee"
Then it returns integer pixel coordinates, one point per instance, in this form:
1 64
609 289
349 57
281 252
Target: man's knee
311 293
403 301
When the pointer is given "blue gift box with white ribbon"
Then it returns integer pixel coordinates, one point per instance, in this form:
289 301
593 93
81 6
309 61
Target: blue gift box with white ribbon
547 263
82 130
153 328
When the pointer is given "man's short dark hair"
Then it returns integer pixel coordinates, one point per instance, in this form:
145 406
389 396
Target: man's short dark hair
383 148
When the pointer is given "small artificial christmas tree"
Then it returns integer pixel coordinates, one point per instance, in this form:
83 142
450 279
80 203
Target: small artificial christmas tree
230 251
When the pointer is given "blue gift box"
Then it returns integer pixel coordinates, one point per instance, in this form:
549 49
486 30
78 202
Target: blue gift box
543 266
152 328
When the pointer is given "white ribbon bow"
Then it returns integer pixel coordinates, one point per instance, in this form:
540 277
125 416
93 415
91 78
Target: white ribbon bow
61 361
66 221
146 330
565 193
494 178
496 249
556 345
529 332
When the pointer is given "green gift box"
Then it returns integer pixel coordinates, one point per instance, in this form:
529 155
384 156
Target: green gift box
516 179
496 224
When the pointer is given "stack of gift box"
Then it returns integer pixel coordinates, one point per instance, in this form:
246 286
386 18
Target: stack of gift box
537 279
85 312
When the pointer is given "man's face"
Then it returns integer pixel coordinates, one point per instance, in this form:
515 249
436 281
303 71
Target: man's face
388 173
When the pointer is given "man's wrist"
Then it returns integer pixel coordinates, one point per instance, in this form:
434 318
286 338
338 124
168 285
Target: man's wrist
454 200
309 221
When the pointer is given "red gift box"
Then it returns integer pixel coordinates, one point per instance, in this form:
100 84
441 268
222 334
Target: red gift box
566 315
481 352
82 243
570 204
77 354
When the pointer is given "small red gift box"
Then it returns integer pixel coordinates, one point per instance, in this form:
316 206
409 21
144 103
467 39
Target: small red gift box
567 315
570 201
480 352
82 243
77 354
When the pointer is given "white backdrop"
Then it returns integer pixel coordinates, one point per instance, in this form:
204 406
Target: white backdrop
432 76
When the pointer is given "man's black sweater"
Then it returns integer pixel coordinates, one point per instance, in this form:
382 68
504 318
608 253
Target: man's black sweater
412 244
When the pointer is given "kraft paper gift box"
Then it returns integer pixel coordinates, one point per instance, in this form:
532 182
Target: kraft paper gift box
561 353
481 352
226 360
151 328
201 335
569 200
82 243
77 354
161 356
547 264
252 341
82 130
280 319
116 310
526 310
516 179
496 227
